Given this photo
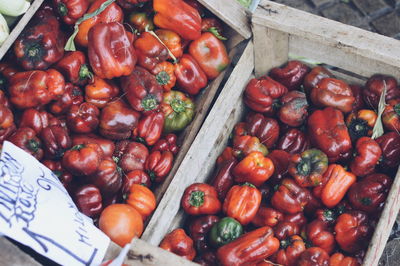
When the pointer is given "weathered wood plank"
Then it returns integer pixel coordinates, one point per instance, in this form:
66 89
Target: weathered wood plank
19 27
194 167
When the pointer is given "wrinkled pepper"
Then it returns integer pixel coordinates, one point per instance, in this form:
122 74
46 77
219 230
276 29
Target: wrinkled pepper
291 75
56 141
315 76
290 250
107 146
130 155
254 168
150 51
244 145
293 141
88 200
319 235
367 156
374 88
71 11
199 229
73 96
267 216
158 165
264 128
390 145
293 111
338 259
200 198
179 243
134 177
26 139
83 118
167 143
290 198
37 120
178 111
100 92
189 75
83 160
149 128
314 256
391 115
74 67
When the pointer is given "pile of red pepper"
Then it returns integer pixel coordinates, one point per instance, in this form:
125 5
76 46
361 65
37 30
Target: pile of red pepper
103 118
303 182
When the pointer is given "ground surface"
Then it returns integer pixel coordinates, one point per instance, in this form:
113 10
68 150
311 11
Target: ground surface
381 16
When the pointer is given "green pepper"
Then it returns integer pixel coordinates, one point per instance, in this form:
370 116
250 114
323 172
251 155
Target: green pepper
225 231
308 167
178 110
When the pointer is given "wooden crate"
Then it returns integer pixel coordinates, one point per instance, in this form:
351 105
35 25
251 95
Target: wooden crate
237 30
280 33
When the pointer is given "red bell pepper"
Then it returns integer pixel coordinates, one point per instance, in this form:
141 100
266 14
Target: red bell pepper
74 68
391 115
264 128
329 133
26 139
172 40
150 51
36 88
242 203
167 143
290 198
199 199
71 11
267 217
254 168
223 178
117 120
107 177
263 94
88 200
210 53
199 231
189 75
244 145
367 156
319 235
149 128
83 160
178 16
73 96
315 76
390 145
179 243
140 21
110 50
285 229
134 177
361 123
338 259
7 126
6 72
158 165
374 88
291 75
313 256
83 118
130 155
293 111
165 75
293 141
37 120
55 141
100 92
142 90
358 96
290 250
281 160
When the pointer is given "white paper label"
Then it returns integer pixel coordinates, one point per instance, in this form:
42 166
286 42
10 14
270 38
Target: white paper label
37 211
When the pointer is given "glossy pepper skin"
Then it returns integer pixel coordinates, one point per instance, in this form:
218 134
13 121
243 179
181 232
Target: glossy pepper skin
143 92
7 125
165 75
71 11
358 96
113 13
142 199
330 92
199 229
26 139
179 243
338 259
293 111
390 145
391 115
178 111
293 141
88 200
189 75
210 53
291 75
264 128
361 123
55 141
267 216
107 146
285 229
64 176
368 154
110 50
150 128
150 51
249 248
107 177
308 167
242 203
254 168
223 178
314 256
134 177
130 4
131 155
369 194
337 182
374 88
83 160
281 160
83 118
244 145
167 143
290 250
200 198
262 95
141 21
172 40
100 92
35 88
159 164
225 231
329 133
73 95
353 231
178 16
37 120
320 235
41 44
6 72
74 67
117 120
290 198
315 76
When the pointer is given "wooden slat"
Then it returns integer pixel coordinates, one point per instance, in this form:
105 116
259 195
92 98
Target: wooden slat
193 167
383 53
271 48
19 27
232 13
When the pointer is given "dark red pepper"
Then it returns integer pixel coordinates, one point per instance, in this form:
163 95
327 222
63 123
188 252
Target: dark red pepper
74 67
293 141
26 139
390 145
149 128
73 96
88 200
135 177
150 51
64 176
71 10
291 75
189 75
37 120
55 141
106 145
199 229
223 179
107 178
130 155
158 165
293 111
374 88
264 128
83 118
167 143
83 160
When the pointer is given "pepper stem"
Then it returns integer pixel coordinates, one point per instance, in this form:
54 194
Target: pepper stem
178 105
149 103
163 78
77 147
62 9
304 168
84 73
33 145
196 198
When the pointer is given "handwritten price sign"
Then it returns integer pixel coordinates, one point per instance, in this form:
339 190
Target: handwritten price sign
36 210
